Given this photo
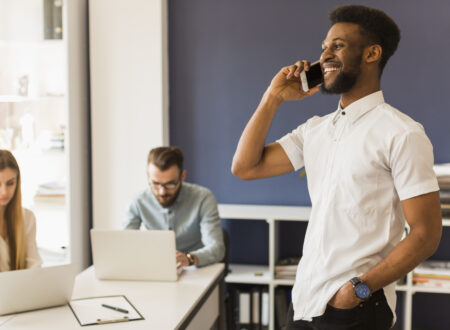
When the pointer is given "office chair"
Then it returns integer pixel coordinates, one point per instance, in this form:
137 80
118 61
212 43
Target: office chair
225 303
226 242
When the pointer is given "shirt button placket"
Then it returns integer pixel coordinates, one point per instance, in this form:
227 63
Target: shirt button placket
170 219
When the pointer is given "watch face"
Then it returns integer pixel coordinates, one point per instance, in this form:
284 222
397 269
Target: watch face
362 291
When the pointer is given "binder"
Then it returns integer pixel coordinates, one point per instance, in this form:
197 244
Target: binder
256 308
281 307
102 310
244 310
265 308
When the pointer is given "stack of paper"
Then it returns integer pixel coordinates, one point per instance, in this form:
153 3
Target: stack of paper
101 310
443 175
286 268
432 273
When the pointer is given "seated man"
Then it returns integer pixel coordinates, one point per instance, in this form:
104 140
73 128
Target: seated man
172 204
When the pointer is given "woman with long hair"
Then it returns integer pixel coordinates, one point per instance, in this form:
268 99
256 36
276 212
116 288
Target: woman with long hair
18 249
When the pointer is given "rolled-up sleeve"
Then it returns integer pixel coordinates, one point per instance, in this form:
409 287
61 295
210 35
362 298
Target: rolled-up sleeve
211 233
411 162
132 217
292 144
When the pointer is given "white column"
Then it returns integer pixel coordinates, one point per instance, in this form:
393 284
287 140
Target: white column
129 99
75 30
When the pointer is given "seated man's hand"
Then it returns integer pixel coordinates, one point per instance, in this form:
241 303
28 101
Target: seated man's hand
182 260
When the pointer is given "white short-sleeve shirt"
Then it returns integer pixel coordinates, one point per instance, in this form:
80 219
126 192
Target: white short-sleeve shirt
360 163
33 258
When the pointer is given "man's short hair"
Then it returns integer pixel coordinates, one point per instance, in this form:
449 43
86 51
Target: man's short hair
376 26
165 157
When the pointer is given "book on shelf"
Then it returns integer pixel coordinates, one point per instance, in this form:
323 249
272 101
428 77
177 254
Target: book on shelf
286 268
432 276
433 267
430 282
289 268
289 261
285 277
54 199
444 196
445 209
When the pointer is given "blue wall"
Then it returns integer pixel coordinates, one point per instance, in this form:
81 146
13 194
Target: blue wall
223 55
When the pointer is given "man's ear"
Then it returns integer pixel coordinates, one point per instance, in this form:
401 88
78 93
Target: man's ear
373 53
183 175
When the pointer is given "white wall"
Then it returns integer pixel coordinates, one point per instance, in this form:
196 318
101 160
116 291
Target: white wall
129 99
18 20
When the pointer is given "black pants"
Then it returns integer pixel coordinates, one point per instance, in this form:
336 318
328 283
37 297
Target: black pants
373 314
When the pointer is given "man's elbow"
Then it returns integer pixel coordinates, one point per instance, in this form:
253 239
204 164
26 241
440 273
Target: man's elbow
430 241
240 171
435 242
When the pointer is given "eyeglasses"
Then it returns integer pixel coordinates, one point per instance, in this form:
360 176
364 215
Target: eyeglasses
168 185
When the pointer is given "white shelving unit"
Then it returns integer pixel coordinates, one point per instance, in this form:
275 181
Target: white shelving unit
44 119
265 274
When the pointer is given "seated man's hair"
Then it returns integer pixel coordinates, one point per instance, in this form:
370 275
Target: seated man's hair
165 157
376 26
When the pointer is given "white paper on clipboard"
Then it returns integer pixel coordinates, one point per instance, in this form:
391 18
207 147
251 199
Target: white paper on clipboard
89 311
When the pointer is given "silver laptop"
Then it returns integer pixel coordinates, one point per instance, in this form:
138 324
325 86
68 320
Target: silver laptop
145 255
36 288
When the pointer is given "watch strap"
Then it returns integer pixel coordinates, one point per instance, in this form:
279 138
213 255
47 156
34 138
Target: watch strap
355 281
191 259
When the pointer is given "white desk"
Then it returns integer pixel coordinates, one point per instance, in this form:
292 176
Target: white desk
190 303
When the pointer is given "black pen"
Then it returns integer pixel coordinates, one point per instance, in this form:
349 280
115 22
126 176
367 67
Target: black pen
115 308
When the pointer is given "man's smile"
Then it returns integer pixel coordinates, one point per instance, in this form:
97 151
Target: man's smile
330 67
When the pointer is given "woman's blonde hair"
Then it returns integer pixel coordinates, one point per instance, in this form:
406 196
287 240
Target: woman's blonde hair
14 216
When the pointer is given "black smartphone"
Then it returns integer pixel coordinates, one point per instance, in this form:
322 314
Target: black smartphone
311 78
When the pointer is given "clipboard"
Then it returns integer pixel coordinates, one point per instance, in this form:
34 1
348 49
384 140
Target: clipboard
103 310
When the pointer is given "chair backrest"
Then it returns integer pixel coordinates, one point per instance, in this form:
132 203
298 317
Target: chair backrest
226 242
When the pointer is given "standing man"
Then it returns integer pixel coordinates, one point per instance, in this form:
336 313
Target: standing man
172 204
369 169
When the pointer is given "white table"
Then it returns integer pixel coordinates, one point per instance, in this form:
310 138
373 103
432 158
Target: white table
193 302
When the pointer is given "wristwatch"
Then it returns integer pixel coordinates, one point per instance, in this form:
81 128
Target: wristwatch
190 258
361 289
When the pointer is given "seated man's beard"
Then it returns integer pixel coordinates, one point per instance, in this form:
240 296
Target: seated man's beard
342 84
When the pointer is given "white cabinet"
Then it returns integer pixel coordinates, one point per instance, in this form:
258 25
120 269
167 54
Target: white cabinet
265 274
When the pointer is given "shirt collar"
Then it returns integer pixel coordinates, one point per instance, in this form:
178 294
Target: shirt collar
360 107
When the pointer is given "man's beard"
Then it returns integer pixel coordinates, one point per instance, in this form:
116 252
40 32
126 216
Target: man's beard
344 80
342 84
168 202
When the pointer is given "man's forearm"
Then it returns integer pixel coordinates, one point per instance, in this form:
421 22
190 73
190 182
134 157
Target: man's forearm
209 254
251 144
411 251
423 214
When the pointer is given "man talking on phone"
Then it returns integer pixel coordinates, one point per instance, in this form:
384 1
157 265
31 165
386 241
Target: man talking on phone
369 168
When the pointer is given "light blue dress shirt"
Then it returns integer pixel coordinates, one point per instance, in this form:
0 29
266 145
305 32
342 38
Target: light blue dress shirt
193 217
